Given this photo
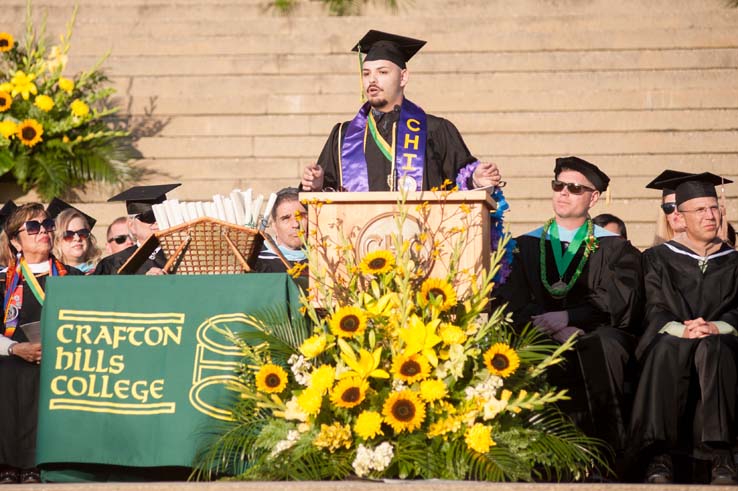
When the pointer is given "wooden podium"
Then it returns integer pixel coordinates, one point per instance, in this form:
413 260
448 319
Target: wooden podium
366 221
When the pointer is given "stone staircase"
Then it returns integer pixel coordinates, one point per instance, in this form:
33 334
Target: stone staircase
230 93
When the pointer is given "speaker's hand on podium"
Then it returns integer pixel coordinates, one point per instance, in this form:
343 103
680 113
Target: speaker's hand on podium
312 178
486 174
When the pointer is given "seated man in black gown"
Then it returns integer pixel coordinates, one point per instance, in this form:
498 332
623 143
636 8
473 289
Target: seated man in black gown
142 225
571 276
686 397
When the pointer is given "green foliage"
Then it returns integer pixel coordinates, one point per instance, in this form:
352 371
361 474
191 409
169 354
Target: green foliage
335 7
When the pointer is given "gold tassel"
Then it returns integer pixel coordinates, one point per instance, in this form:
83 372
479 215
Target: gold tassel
608 196
723 234
361 77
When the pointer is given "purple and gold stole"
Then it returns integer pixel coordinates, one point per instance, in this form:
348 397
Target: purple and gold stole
408 150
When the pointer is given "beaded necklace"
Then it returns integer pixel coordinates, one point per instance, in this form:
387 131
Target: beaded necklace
560 289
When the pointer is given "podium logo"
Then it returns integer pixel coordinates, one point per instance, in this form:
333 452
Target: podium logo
378 231
216 361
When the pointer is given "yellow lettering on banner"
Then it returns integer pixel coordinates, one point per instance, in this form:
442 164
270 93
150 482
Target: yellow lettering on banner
60 333
413 125
99 387
83 334
132 340
103 335
409 164
411 141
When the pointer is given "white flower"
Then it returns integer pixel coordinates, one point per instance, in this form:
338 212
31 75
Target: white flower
282 445
398 385
493 407
293 411
368 459
484 390
300 368
456 361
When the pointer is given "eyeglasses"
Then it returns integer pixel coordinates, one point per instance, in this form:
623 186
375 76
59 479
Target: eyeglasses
119 239
668 208
33 227
572 187
713 210
146 217
82 233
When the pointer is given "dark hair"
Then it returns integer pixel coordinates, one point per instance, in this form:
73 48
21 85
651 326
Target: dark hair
15 222
606 218
284 194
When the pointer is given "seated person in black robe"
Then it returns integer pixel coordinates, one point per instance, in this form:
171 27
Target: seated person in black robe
571 276
288 220
686 397
393 144
142 225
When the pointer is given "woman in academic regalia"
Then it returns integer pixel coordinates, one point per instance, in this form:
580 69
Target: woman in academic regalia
28 239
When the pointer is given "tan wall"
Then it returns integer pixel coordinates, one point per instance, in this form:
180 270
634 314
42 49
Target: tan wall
246 97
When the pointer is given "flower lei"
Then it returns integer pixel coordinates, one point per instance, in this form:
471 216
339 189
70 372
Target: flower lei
591 244
497 225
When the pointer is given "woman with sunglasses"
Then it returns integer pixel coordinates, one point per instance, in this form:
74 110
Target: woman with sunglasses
668 223
74 244
28 237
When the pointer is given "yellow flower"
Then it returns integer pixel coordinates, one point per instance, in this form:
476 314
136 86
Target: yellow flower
66 85
56 60
383 306
368 425
377 262
450 424
44 102
6 87
403 411
23 85
451 334
310 401
8 128
411 368
420 337
432 390
79 108
367 365
322 378
65 139
29 132
479 438
271 378
348 322
333 437
501 360
5 101
494 406
6 42
313 346
439 289
349 392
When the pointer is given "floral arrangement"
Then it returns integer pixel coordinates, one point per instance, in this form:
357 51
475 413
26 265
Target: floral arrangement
397 371
53 129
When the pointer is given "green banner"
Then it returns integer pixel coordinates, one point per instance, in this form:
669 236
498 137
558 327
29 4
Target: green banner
134 366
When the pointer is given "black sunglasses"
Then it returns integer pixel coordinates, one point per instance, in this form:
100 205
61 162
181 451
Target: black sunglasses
572 187
668 208
146 217
82 233
118 239
33 227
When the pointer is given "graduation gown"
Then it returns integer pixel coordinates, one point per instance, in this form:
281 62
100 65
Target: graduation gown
605 302
445 154
19 387
687 389
111 264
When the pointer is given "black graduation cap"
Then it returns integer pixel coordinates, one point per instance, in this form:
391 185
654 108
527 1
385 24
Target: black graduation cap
378 45
590 171
695 186
667 175
8 208
139 199
57 206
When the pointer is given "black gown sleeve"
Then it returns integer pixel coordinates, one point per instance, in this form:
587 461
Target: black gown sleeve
447 152
328 160
518 293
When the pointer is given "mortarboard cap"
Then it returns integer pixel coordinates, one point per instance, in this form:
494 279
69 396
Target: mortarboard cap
695 186
599 179
57 206
5 212
378 45
139 199
667 175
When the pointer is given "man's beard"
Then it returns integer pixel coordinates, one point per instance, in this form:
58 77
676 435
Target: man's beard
377 103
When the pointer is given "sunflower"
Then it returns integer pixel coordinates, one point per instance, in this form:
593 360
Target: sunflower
368 425
411 368
44 102
79 108
377 262
479 438
6 42
403 411
501 360
5 101
437 288
8 128
271 378
349 392
29 132
348 322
